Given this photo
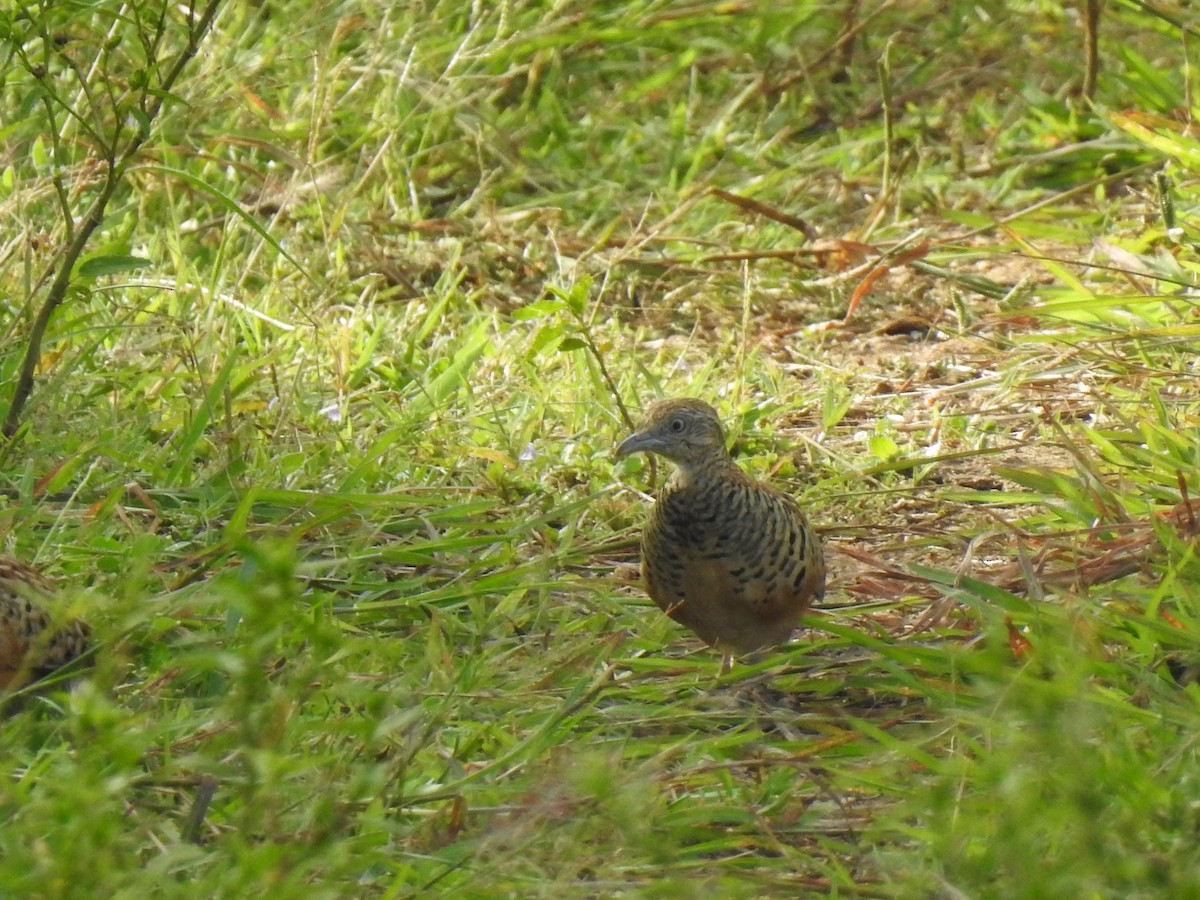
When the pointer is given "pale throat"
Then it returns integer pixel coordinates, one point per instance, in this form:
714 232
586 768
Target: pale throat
682 478
688 471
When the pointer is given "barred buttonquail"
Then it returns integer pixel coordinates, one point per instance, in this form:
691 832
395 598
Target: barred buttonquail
730 558
32 644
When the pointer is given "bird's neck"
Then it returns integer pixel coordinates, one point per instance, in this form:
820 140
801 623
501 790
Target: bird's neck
688 473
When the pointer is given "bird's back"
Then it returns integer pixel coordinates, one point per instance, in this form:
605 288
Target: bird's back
32 645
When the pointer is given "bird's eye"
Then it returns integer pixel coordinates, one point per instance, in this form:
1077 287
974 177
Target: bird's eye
677 425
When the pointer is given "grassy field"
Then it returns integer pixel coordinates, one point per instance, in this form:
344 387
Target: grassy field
361 297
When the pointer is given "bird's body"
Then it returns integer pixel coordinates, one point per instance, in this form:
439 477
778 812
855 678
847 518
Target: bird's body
729 557
32 643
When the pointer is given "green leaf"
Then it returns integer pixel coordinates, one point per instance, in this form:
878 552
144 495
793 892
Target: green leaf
453 377
836 403
110 265
577 297
546 336
40 155
883 446
572 343
1162 138
185 449
167 95
141 118
537 309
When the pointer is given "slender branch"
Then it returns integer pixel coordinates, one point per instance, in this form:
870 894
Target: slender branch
117 164
55 297
56 176
1091 30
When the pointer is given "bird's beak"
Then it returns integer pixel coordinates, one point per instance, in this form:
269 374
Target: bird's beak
638 442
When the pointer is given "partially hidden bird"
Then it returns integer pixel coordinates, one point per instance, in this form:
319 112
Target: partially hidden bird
727 556
33 644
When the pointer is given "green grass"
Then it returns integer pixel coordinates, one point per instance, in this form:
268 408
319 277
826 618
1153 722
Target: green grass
320 444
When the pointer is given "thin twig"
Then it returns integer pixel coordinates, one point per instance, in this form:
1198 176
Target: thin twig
116 165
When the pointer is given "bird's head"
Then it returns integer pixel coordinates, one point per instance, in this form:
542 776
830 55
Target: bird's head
685 431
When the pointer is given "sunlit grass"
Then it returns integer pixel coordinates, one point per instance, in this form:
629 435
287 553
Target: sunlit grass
332 477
